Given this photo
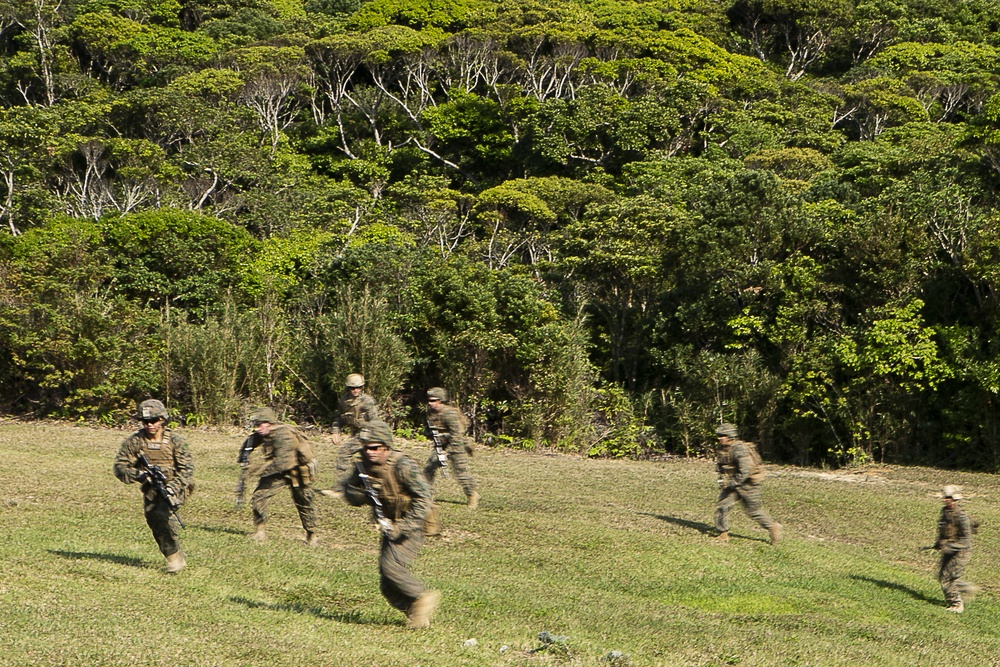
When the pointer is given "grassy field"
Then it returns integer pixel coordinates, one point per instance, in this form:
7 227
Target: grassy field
614 555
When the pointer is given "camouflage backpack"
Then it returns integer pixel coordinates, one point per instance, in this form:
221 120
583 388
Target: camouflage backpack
757 473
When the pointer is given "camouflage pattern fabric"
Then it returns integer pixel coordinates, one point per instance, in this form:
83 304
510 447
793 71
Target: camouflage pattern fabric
172 447
284 453
735 465
449 423
353 412
271 485
406 499
955 543
749 494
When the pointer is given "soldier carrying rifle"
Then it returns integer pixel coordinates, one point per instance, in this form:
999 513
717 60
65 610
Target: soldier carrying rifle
160 460
400 499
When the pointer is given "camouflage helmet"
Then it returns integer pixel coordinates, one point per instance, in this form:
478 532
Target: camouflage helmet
376 431
727 430
952 492
437 393
354 380
151 409
263 415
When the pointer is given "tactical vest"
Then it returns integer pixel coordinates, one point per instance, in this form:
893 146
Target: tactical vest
350 414
395 502
160 453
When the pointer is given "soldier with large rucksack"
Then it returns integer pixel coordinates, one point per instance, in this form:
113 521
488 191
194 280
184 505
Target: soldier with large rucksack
288 462
740 475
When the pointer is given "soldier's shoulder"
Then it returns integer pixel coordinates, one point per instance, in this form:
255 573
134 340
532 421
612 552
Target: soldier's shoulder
177 437
367 400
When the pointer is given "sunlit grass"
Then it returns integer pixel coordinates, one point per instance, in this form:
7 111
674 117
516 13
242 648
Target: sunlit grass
613 555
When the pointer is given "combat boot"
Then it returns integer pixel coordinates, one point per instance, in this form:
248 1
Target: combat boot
432 524
258 535
419 615
723 536
775 531
473 500
175 562
956 607
332 493
312 539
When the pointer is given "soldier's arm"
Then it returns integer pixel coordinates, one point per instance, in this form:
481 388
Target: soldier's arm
964 537
743 463
183 466
453 425
412 479
124 467
370 410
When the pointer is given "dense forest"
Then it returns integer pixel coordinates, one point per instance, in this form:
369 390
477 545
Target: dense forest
603 225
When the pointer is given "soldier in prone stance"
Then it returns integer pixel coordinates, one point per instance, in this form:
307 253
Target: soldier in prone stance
158 447
288 462
740 477
447 422
400 498
954 542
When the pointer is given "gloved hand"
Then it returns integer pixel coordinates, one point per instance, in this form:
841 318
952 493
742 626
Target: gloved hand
141 476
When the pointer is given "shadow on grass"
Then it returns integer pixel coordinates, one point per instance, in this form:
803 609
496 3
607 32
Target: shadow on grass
219 529
354 617
703 528
110 558
891 585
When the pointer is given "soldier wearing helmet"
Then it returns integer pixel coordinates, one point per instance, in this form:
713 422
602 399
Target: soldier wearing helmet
405 500
740 475
954 542
449 425
356 408
170 452
288 463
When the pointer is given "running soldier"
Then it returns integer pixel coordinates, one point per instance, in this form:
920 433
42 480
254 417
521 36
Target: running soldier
740 476
155 448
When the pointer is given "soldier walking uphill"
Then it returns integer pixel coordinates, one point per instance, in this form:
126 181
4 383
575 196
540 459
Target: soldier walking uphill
446 421
288 462
401 499
740 476
954 542
356 408
156 449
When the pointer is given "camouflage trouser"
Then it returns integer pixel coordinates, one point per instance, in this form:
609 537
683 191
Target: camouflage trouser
396 582
270 486
750 495
459 460
165 526
950 574
345 454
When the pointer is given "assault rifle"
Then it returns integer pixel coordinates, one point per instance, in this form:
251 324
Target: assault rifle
383 522
159 483
244 460
439 449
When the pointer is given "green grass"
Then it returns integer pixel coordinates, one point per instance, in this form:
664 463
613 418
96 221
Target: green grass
615 555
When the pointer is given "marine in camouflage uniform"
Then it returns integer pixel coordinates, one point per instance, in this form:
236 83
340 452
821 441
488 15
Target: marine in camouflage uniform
447 421
356 408
735 466
171 453
288 463
405 500
954 542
